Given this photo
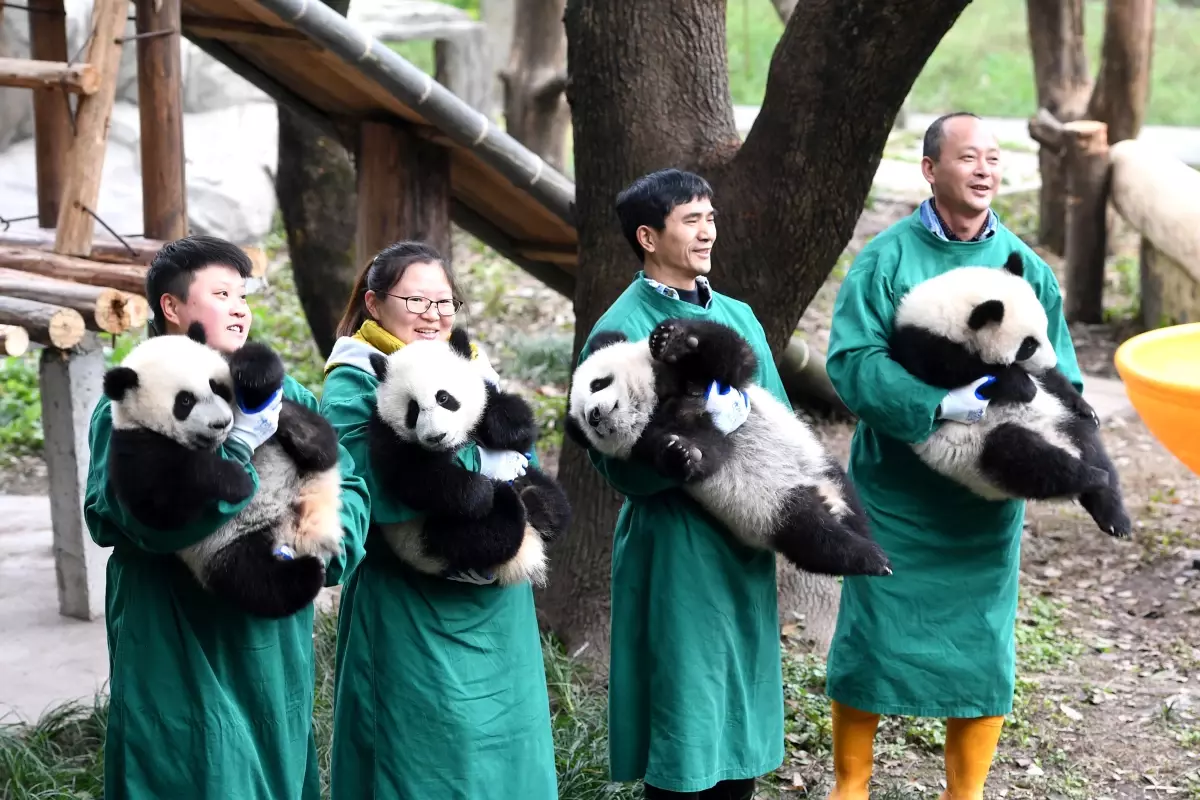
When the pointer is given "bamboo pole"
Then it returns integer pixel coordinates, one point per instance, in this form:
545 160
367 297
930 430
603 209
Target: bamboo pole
103 308
14 340
48 325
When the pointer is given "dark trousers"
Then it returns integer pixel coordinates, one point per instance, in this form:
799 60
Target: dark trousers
725 790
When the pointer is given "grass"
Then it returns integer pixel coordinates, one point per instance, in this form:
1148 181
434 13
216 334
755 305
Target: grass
984 63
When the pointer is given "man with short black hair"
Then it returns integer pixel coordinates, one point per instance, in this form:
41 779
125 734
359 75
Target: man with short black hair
205 700
935 638
695 683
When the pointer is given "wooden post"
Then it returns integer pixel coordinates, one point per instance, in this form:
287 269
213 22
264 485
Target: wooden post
462 65
403 190
1085 145
51 114
86 160
70 383
160 106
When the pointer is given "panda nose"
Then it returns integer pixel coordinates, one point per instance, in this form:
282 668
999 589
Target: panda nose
594 417
435 439
219 425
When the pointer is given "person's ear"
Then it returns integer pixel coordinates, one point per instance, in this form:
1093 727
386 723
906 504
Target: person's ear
171 305
927 168
645 237
371 300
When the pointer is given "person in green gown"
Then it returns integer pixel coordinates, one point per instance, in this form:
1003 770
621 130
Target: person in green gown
205 700
695 701
441 688
937 637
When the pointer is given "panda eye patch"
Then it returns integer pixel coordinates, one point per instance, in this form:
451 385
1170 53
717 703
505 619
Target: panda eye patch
600 384
1027 348
185 401
414 411
446 400
221 390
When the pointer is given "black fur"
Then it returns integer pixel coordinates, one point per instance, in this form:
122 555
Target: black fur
460 342
118 381
257 374
546 505
248 573
507 424
1015 264
948 365
307 438
478 543
166 486
989 312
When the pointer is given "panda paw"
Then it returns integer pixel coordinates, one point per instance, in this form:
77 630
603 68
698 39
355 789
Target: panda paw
680 458
671 341
257 373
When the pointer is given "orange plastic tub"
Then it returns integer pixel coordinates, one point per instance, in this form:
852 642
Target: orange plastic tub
1161 371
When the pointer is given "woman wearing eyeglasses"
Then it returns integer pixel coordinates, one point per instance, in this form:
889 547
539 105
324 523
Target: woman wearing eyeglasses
440 688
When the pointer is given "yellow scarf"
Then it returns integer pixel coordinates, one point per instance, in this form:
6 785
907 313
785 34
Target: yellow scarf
373 334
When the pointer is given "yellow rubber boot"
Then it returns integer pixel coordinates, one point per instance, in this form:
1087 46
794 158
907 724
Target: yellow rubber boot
853 751
970 749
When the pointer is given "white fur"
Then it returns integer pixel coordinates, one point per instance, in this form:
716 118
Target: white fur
773 452
943 304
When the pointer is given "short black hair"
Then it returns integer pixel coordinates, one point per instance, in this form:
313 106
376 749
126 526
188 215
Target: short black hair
650 199
175 266
935 134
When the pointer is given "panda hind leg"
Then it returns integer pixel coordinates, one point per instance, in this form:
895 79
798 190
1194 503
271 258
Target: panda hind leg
252 577
818 535
1105 505
546 505
1028 466
317 509
479 543
704 351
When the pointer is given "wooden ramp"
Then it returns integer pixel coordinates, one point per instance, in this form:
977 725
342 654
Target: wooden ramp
313 60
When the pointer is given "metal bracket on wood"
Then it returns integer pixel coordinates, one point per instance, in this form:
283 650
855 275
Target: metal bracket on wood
7 223
96 217
146 35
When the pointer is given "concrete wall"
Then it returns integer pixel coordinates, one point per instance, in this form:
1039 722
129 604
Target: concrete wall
1159 196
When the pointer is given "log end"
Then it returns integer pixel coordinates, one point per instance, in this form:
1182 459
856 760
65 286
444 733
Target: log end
14 340
66 328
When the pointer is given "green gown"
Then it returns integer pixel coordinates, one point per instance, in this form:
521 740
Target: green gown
935 638
695 683
205 701
441 687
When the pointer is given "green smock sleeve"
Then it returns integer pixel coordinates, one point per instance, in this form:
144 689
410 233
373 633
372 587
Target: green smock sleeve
873 386
109 522
356 502
1046 285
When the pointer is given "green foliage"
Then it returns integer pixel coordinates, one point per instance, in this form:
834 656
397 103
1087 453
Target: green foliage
20 406
59 756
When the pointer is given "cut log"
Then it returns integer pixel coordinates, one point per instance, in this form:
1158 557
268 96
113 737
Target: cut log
103 308
160 107
48 325
86 158
27 73
51 116
1086 154
1046 130
14 340
140 250
126 277
802 371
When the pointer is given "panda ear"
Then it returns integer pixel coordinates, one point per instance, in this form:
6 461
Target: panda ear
460 342
986 312
118 381
196 333
1015 264
379 363
603 339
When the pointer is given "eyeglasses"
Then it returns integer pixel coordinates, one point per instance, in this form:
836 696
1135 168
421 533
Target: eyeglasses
419 305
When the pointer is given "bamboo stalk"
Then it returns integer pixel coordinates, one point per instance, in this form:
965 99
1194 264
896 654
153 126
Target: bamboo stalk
48 325
14 340
103 308
468 127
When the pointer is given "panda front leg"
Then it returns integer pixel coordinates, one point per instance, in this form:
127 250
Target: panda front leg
307 438
250 575
822 530
478 543
704 351
686 453
1026 465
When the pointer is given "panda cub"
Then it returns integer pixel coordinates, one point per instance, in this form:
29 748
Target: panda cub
431 400
770 481
172 408
1038 439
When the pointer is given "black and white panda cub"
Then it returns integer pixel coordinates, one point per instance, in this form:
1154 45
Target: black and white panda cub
1038 439
172 407
431 400
770 481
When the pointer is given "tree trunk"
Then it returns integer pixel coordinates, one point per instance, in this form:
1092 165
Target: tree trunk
1063 85
788 199
1085 154
315 187
1123 83
535 108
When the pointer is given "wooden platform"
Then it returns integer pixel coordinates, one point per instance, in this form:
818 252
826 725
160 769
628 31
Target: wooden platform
308 57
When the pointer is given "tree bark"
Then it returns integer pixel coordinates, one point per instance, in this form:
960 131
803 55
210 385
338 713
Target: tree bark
788 199
1063 86
1086 156
315 187
1123 83
535 107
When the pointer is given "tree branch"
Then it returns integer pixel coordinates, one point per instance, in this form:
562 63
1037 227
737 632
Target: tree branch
548 88
1046 130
